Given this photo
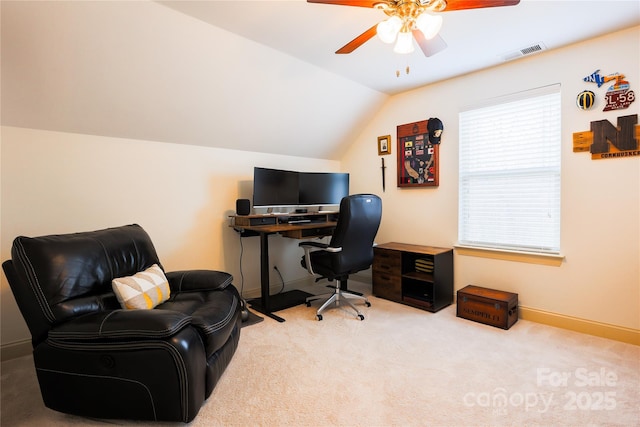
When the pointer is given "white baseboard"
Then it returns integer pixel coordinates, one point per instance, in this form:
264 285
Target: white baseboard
617 333
364 277
275 288
15 349
303 283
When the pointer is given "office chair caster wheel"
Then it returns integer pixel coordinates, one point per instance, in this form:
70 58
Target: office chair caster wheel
360 316
308 303
319 317
368 304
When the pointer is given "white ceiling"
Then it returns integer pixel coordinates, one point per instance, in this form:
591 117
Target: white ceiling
257 76
476 39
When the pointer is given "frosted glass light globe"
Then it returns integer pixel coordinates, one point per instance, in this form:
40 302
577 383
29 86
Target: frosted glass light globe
404 43
429 25
388 29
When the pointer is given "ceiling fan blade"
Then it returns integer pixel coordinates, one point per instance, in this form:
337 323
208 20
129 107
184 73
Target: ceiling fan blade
361 3
358 41
429 47
477 4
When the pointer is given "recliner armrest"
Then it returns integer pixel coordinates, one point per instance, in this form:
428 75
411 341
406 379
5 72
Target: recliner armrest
121 325
198 280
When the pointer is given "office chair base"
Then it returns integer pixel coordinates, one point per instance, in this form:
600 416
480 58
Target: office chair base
338 297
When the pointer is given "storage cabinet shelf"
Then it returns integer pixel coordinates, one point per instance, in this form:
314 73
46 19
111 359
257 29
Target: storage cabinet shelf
416 275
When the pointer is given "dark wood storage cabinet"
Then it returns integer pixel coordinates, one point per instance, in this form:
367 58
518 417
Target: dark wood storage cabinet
416 275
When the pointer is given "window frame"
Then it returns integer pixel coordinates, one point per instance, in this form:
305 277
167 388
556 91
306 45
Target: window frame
545 249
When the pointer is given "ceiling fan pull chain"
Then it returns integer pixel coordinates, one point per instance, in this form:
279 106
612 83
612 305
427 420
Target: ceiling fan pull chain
407 70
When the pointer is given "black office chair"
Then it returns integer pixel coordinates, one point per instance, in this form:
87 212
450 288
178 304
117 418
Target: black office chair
350 249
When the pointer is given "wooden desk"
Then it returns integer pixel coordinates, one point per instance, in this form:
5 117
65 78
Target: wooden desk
319 225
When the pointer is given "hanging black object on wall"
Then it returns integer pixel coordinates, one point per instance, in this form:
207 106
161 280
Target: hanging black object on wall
243 207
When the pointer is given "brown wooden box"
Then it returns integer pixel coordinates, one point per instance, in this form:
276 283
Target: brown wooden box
488 306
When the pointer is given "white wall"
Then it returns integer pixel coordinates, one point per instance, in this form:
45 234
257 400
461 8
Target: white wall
140 70
61 182
600 278
56 182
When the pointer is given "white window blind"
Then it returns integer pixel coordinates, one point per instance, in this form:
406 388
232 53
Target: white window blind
510 173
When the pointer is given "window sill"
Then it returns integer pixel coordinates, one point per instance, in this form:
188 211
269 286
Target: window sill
528 257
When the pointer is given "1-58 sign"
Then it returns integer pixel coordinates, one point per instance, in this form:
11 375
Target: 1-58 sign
619 99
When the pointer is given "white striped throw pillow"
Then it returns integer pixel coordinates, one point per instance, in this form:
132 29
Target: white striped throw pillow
145 289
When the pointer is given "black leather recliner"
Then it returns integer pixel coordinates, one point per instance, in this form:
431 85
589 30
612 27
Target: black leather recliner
92 357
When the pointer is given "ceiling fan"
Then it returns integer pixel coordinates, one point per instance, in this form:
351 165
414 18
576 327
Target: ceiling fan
408 20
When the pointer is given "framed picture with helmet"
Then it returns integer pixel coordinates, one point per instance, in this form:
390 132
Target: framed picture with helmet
418 149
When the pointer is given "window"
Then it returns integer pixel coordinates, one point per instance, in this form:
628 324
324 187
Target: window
510 173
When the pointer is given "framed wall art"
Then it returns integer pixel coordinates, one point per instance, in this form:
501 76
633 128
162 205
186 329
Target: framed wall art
384 145
417 156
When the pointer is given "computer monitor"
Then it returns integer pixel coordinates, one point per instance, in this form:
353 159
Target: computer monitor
274 187
277 188
319 188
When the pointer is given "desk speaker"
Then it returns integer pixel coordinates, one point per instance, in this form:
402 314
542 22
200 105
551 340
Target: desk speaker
243 207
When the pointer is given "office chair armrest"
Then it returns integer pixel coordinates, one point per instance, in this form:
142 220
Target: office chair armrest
308 246
319 245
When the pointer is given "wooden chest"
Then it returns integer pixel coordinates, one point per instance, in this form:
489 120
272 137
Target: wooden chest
488 306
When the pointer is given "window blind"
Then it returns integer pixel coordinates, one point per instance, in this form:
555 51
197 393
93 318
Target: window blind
509 192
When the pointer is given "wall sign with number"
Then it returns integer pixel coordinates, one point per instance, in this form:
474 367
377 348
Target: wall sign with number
619 95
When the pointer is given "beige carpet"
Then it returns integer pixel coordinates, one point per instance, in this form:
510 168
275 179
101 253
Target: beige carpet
399 367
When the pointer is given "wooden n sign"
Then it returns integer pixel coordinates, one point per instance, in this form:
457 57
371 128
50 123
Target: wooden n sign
606 141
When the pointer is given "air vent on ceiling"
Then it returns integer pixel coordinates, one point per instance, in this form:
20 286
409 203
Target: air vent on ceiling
529 50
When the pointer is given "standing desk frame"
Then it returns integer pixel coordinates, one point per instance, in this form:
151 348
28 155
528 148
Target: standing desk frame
267 303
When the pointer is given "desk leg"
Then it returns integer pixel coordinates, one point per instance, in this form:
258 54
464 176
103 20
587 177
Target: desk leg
264 271
269 303
264 278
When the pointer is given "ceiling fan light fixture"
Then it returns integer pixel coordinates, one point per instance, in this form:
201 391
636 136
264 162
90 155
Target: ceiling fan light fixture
407 19
429 25
388 30
404 44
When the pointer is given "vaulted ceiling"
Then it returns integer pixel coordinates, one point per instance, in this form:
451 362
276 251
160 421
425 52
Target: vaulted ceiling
475 38
248 75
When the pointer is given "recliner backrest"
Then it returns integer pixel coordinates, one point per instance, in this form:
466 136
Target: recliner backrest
356 229
56 277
